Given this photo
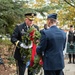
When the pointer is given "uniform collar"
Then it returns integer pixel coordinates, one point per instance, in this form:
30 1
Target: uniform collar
52 26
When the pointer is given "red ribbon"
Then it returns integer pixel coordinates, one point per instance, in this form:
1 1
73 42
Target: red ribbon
33 55
32 35
40 62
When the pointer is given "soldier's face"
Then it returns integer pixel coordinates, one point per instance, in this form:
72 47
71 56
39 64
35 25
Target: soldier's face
28 22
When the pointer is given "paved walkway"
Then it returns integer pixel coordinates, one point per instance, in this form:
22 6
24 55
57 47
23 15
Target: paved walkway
69 68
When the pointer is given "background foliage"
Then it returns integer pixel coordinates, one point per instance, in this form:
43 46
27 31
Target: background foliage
12 12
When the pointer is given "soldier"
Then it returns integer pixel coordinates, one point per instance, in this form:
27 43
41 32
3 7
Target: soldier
16 39
70 45
52 43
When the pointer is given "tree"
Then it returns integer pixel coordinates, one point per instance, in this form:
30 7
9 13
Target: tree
70 2
10 14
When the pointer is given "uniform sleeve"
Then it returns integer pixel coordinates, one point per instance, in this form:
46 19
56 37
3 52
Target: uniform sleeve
36 27
15 35
43 43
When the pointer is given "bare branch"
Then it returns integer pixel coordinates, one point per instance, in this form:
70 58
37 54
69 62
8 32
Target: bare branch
69 3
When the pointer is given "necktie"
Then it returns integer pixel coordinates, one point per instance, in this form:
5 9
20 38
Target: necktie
28 27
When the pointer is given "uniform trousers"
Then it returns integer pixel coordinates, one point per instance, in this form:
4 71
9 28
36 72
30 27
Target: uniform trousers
21 67
53 72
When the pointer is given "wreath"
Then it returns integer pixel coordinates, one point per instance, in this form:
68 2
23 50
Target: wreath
31 38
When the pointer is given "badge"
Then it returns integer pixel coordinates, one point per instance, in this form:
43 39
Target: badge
23 32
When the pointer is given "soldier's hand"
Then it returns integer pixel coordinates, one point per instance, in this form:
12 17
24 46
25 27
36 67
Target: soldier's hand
25 46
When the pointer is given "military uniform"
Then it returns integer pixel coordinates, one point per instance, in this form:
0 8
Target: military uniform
52 43
16 39
71 46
